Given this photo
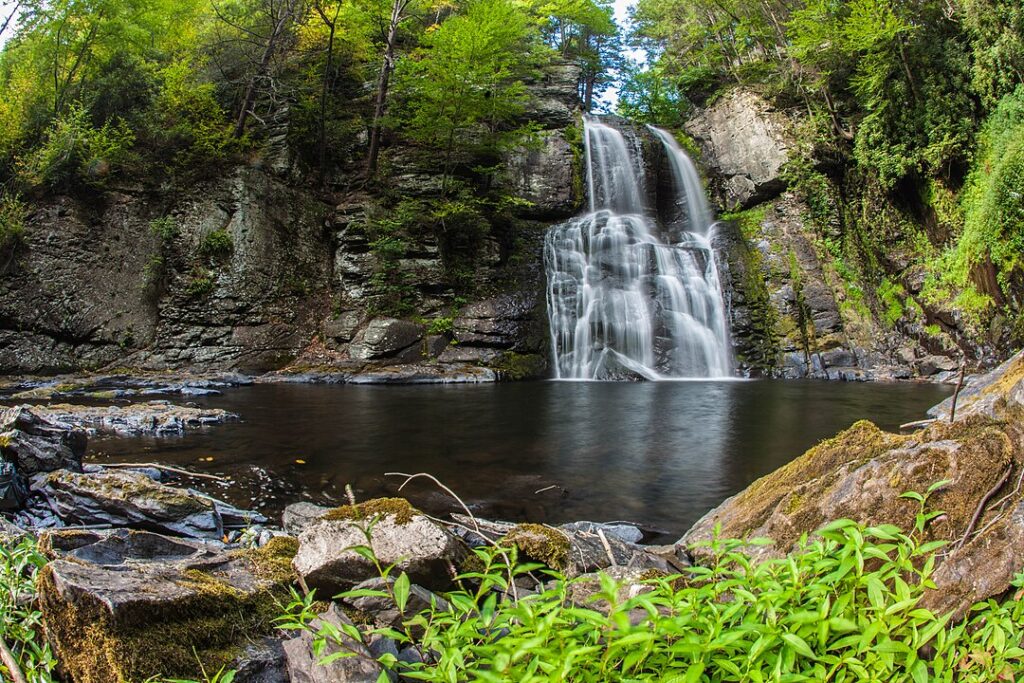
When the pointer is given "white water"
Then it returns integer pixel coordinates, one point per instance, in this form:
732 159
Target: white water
626 299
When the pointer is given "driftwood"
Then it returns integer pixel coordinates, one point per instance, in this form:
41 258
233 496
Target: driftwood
7 657
165 468
918 424
956 392
981 506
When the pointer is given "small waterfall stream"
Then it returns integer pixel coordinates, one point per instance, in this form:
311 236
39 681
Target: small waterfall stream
628 298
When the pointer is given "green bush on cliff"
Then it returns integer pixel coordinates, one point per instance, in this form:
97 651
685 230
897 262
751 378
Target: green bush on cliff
12 220
844 607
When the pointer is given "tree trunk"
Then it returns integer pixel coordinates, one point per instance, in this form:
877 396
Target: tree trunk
328 69
263 69
383 81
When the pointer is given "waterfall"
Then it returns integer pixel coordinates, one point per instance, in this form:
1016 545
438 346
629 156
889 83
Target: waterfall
627 298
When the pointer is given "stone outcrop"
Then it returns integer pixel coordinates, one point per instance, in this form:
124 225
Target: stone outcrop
861 473
125 498
129 605
35 444
156 418
384 337
399 534
744 143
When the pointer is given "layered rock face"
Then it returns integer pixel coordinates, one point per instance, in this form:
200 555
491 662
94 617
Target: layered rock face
798 307
255 269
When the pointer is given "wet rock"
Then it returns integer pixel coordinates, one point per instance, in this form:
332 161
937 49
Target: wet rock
990 394
577 551
122 498
157 418
303 663
299 516
498 322
128 605
343 327
933 365
262 662
35 443
744 143
384 337
383 609
624 532
401 534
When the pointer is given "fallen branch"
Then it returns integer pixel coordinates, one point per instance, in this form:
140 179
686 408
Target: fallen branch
11 663
956 392
607 548
981 506
165 468
469 513
917 424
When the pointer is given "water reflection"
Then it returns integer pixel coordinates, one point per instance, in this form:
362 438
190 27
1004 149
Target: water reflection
658 453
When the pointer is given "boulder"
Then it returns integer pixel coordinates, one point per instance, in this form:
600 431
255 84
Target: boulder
36 444
384 337
580 550
130 605
343 327
304 663
398 533
124 498
861 473
744 144
299 516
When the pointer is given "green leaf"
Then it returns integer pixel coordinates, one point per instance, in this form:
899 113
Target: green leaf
401 590
799 645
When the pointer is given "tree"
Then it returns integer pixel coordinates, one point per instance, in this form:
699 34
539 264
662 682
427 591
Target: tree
463 90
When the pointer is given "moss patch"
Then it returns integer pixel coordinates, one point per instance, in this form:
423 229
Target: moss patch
399 508
211 625
540 543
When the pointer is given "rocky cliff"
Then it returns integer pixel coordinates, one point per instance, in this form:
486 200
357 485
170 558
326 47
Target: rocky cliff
811 295
258 269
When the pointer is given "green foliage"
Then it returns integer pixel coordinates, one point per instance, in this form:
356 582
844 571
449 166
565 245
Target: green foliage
73 150
20 620
12 220
843 607
166 228
461 93
217 245
891 297
200 285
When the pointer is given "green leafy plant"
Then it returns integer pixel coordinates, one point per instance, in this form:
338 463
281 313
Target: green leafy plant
217 245
20 620
12 220
842 607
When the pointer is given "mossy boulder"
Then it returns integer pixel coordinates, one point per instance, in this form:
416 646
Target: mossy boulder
128 605
861 473
328 559
125 498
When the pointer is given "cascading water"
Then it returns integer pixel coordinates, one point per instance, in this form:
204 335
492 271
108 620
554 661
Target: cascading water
622 301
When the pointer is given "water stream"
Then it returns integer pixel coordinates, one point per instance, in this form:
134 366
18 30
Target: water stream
629 295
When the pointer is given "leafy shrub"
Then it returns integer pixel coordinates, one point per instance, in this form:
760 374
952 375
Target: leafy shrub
166 228
20 621
12 220
844 607
75 151
217 245
200 285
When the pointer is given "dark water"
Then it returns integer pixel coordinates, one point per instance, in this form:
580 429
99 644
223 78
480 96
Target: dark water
661 454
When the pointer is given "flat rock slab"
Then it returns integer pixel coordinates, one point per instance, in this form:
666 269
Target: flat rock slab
157 418
125 498
35 442
128 605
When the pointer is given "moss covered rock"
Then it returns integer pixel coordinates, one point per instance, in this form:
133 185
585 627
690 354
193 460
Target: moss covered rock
861 473
127 605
